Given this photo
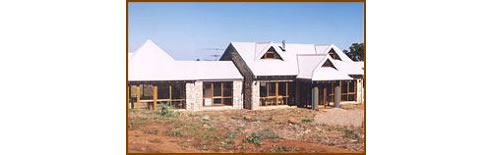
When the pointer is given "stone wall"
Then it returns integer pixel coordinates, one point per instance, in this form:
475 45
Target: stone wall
190 96
198 105
360 91
255 95
194 95
237 93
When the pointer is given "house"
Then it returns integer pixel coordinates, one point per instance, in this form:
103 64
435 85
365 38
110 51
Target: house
156 78
303 75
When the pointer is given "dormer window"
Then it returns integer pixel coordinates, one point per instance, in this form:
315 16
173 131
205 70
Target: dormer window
271 54
334 55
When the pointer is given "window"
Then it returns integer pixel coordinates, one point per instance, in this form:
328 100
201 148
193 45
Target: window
147 92
170 93
276 93
327 91
271 54
349 90
217 93
334 55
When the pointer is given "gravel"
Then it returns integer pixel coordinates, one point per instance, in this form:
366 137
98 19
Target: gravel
340 117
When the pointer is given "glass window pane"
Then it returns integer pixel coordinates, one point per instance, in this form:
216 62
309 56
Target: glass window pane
351 98
228 101
163 90
344 86
281 89
133 90
217 101
228 89
351 86
271 91
263 89
217 89
177 90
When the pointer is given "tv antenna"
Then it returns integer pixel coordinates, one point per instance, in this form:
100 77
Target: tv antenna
215 56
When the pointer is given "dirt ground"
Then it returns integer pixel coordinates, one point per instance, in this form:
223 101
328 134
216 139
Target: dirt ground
280 130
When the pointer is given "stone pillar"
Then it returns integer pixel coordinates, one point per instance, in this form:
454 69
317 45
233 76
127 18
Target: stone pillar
315 95
190 96
198 91
338 95
360 91
255 95
237 92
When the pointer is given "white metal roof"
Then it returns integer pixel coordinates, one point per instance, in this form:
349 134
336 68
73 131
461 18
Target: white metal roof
150 63
310 67
296 60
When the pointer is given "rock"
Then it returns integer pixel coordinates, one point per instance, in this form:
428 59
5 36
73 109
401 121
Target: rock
206 126
293 121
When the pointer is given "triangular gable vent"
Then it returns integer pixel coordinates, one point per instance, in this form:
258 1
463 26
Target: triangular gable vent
271 54
328 64
334 55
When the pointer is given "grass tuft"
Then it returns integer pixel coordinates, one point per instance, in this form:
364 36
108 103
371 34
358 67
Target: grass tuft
282 149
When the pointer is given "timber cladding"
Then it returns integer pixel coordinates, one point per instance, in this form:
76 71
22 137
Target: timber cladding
231 54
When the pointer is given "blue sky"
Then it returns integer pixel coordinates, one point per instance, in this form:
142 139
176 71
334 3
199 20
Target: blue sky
189 31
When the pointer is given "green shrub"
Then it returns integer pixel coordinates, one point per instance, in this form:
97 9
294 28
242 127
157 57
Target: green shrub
306 120
282 149
255 138
167 111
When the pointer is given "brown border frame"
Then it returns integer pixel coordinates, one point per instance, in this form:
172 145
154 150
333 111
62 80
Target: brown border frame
364 77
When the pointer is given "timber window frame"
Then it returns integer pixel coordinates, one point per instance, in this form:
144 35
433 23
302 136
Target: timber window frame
170 93
348 91
276 93
218 93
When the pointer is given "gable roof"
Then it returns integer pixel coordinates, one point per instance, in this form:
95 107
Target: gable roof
150 63
149 51
267 49
310 67
299 60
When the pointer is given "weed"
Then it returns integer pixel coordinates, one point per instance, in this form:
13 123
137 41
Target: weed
175 133
282 149
151 132
231 135
350 134
210 135
306 120
204 147
255 138
267 133
243 147
167 111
